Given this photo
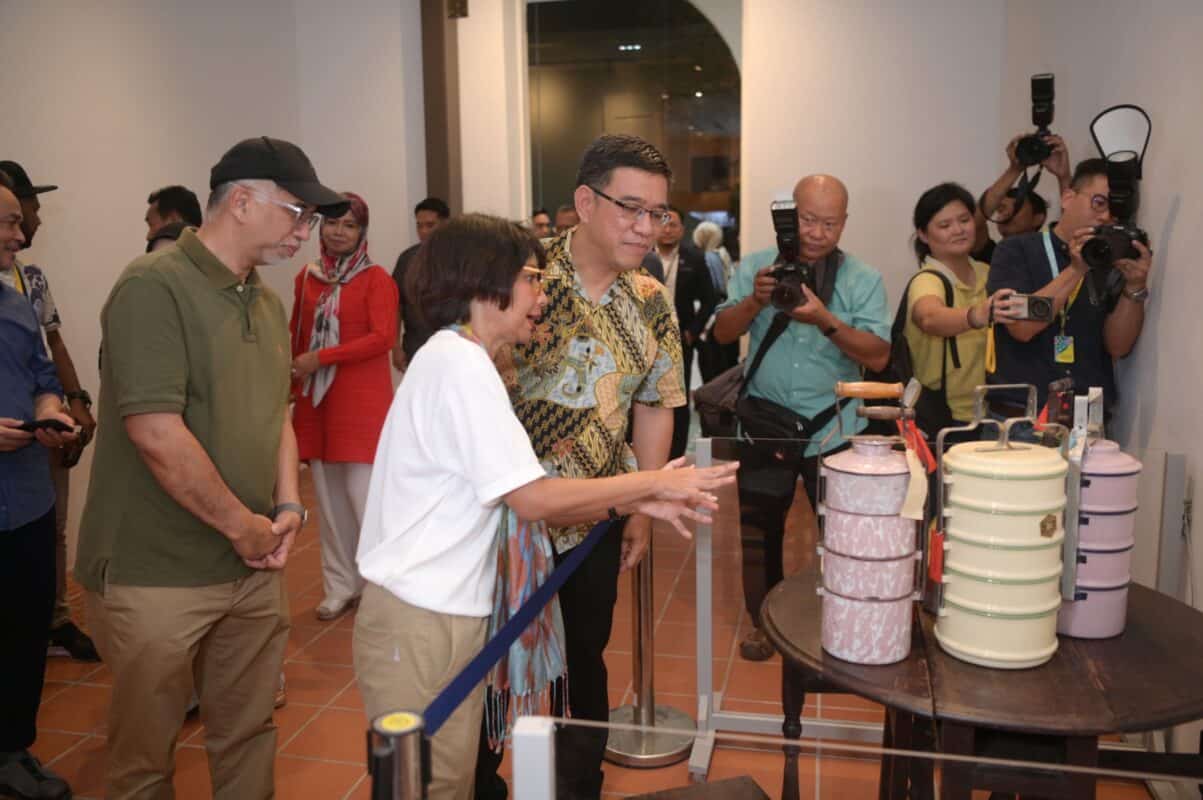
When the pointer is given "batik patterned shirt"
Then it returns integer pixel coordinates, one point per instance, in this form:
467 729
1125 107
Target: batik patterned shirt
32 283
573 385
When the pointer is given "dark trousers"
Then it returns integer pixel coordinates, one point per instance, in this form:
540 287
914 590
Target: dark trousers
681 414
587 604
767 480
27 580
714 359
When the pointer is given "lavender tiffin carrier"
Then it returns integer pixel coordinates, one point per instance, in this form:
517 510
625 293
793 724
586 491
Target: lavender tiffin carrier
1106 526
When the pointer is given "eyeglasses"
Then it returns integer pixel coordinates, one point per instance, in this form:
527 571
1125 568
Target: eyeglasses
300 215
633 212
827 225
1099 202
534 276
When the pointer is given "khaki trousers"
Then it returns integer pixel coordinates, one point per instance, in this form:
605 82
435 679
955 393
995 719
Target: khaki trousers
227 640
404 656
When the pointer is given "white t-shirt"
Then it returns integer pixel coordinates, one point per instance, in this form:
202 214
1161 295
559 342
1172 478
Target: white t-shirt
451 448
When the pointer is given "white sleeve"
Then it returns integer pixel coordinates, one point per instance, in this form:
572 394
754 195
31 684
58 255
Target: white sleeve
494 449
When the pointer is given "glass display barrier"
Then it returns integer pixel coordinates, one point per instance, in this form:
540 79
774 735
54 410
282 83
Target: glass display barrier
761 766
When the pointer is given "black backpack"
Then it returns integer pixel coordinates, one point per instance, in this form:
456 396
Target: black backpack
931 412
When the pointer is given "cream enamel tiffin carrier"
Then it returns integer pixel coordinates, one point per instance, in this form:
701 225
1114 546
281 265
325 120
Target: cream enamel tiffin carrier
868 549
1001 506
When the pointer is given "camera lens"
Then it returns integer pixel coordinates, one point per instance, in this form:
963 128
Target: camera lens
1097 253
786 296
1031 150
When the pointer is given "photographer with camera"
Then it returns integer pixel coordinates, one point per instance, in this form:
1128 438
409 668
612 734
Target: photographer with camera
945 309
824 315
1097 280
998 202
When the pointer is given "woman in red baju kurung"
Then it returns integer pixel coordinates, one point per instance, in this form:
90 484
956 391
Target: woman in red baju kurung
344 324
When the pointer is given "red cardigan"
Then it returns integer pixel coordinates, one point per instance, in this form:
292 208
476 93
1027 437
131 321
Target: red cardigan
346 425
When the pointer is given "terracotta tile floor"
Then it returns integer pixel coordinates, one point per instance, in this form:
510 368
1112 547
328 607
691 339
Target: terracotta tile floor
321 729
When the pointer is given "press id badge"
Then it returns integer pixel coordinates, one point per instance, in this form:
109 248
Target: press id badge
1063 349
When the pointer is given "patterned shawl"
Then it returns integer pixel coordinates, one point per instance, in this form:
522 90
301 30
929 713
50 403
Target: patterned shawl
523 681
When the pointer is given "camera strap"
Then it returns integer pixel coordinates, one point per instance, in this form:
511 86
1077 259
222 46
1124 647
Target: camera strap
828 268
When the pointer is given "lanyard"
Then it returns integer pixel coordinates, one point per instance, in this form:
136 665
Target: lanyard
20 279
1056 270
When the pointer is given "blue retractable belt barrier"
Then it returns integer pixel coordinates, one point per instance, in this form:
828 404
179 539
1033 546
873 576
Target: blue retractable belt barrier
462 684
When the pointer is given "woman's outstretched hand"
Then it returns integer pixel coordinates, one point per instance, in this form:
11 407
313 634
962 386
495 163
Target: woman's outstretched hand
676 481
684 493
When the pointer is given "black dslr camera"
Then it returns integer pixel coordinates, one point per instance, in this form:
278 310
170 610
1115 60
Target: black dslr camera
1032 149
1111 242
790 272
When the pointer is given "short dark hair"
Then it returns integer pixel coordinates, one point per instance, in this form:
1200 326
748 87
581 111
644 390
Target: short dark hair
539 211
433 204
1034 199
676 211
566 207
930 203
472 257
613 150
179 199
1087 168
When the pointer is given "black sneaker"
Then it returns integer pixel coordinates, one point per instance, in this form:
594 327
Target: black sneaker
68 640
23 776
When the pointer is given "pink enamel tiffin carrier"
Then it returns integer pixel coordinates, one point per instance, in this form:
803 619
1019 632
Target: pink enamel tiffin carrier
868 553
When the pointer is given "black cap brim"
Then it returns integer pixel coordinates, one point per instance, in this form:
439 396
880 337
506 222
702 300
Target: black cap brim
30 191
329 202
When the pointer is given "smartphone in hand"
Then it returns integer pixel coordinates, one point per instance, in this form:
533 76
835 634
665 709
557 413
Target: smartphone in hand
47 424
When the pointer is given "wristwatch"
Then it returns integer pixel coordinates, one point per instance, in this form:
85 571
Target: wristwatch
1139 296
82 395
297 507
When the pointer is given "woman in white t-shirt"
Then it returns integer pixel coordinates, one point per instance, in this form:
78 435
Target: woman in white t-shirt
451 454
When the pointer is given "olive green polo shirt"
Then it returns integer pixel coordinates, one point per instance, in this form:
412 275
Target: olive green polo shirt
180 334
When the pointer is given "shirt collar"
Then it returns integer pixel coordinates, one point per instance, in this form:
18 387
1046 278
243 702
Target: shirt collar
219 275
560 257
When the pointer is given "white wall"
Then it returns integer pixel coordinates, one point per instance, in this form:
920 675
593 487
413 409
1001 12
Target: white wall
494 121
112 100
1101 57
890 97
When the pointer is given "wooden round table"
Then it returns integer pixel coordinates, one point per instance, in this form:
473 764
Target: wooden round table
1145 679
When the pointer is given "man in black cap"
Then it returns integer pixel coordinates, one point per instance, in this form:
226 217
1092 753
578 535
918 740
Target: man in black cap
66 639
194 500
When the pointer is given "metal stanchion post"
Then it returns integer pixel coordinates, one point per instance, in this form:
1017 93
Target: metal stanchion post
398 757
645 748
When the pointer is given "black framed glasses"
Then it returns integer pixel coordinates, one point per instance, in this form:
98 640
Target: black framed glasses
633 212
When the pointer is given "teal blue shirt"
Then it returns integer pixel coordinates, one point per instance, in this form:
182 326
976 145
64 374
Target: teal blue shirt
800 369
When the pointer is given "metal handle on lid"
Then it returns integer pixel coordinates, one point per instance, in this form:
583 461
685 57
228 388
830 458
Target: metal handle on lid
869 390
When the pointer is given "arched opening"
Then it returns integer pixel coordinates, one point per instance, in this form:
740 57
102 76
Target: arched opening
656 68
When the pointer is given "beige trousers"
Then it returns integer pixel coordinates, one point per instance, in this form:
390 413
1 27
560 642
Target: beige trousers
404 656
158 642
342 494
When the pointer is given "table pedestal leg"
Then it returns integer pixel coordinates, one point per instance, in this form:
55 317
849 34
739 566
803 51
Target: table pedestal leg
1081 751
793 697
957 782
